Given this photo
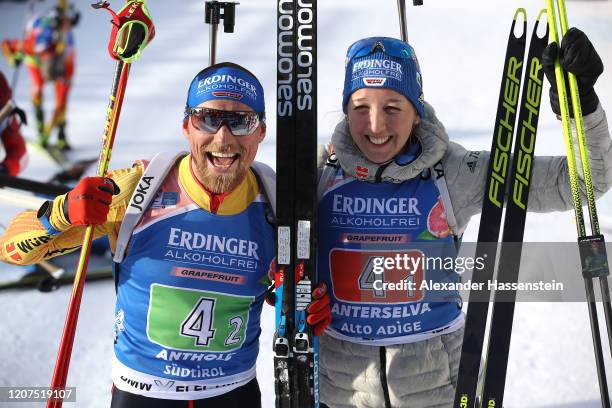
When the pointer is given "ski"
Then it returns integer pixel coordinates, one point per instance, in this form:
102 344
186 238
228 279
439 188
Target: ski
32 186
305 346
514 222
51 152
490 222
285 196
70 170
45 282
20 199
295 346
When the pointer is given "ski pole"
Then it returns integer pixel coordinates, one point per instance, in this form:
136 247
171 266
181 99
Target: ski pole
132 30
213 17
401 9
7 110
577 201
15 75
588 181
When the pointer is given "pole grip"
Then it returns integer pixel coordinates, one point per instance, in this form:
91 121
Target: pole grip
229 17
212 12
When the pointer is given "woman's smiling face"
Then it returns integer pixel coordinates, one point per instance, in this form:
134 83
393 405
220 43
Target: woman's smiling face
381 122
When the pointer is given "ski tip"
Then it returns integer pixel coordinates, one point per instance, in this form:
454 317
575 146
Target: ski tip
541 13
545 22
520 12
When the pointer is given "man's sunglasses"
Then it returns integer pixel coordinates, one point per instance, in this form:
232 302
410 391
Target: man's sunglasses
240 123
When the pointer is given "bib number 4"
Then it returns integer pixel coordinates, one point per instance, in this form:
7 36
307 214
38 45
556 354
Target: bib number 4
199 322
193 320
359 276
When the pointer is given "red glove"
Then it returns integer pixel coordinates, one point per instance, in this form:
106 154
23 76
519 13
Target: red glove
89 201
319 312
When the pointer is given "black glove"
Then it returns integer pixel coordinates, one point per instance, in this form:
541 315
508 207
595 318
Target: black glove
578 56
76 17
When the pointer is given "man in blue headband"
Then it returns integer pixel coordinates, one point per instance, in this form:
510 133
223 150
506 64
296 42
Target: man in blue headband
224 94
192 244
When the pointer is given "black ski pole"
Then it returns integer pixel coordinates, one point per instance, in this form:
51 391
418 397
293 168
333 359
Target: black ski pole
213 17
401 8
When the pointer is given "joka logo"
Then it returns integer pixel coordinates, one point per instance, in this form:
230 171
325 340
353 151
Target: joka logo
374 81
222 94
361 172
164 385
141 192
10 249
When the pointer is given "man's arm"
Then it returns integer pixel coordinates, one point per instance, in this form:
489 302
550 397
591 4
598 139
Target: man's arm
27 240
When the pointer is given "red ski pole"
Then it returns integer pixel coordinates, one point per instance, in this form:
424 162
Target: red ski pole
132 30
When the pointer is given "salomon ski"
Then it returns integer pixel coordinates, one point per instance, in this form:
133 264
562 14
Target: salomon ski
295 346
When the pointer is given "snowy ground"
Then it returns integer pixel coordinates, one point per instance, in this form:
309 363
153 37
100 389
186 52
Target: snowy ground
460 47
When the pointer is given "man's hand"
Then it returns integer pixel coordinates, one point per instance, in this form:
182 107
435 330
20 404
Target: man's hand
89 201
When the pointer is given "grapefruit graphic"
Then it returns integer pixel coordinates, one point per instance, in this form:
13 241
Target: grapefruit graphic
437 223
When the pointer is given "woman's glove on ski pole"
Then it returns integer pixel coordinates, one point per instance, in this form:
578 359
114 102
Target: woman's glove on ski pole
578 56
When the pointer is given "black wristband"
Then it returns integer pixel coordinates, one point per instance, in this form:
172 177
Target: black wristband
44 215
65 208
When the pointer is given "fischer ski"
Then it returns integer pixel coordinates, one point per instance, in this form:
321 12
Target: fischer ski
514 221
295 346
492 208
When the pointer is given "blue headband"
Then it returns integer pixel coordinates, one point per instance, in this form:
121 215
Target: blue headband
226 81
382 62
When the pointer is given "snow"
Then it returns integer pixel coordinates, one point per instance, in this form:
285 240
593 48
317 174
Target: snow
460 47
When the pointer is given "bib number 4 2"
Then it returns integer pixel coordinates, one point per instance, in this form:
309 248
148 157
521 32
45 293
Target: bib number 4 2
356 277
187 319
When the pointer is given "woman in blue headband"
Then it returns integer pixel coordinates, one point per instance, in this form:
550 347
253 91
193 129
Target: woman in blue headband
395 192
